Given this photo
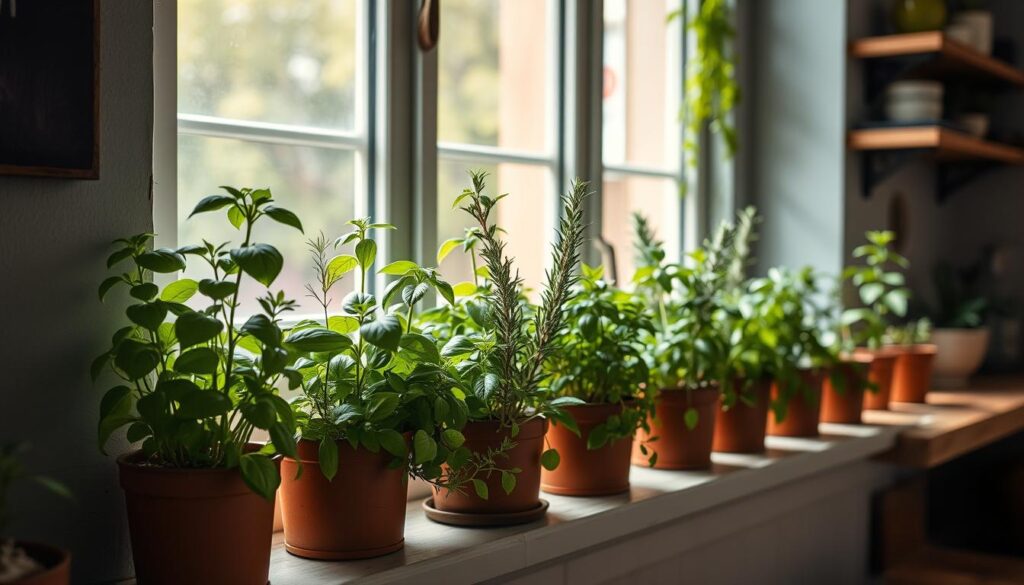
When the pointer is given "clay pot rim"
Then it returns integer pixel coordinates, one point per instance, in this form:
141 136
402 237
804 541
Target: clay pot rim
916 348
129 461
533 428
60 557
984 329
884 352
856 358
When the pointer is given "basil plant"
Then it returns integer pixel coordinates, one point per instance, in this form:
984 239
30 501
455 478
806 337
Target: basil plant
194 384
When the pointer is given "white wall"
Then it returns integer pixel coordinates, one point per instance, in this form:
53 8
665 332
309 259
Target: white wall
54 237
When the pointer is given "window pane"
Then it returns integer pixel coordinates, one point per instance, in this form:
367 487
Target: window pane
642 83
316 183
656 199
494 73
283 61
524 214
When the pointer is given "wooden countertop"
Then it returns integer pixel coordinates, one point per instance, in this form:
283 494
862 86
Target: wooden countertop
954 422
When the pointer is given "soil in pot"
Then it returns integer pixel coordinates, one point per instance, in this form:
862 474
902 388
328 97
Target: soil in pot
741 427
880 375
803 409
912 375
357 515
842 395
195 525
677 445
30 563
529 444
582 471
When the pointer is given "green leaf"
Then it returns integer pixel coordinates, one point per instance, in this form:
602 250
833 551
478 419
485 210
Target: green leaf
328 458
283 439
896 300
508 481
424 447
458 345
192 328
399 268
366 253
108 284
385 332
413 293
262 328
464 289
117 401
550 459
480 487
136 359
453 439
163 260
204 404
198 361
260 474
96 368
317 339
119 256
339 266
282 215
343 324
145 291
393 442
382 404
447 247
149 315
691 418
217 289
421 348
598 437
869 293
260 261
445 290
110 424
179 291
212 203
236 217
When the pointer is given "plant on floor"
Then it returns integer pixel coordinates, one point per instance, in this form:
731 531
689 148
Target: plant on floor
195 388
503 363
880 285
369 377
601 359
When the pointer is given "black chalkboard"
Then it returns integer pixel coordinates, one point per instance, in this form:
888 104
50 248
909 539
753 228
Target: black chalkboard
49 88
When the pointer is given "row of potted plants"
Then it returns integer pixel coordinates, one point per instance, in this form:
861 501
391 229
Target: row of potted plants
488 397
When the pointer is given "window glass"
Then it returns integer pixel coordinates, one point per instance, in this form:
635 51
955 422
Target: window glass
657 199
269 61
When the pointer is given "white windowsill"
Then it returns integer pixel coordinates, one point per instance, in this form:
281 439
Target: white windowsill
436 553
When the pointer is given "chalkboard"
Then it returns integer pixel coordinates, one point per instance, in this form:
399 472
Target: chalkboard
49 88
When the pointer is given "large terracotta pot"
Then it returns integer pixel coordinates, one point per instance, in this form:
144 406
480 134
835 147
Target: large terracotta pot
677 446
56 563
357 515
959 354
585 472
842 392
741 427
195 525
529 444
803 408
912 375
880 374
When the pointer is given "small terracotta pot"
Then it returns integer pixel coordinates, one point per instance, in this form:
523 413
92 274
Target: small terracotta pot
585 472
195 525
677 446
880 374
843 402
529 444
802 410
912 376
57 564
359 514
741 428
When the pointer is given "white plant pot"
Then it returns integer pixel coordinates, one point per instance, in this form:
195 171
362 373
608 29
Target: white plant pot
960 353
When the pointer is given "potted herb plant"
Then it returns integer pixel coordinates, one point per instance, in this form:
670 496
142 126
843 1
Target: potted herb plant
199 491
960 335
28 563
912 374
880 285
376 406
685 353
600 361
501 362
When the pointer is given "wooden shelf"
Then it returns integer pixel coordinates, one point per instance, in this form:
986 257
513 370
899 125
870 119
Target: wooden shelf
954 422
949 145
951 57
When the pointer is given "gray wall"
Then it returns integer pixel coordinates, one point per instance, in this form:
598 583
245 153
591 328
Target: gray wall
54 238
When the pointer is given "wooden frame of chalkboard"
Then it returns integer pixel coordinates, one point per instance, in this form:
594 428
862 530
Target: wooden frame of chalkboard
50 89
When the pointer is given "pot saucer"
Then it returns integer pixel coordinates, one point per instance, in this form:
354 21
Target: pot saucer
480 520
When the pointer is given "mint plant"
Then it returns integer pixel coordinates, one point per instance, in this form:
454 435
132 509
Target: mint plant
194 384
881 287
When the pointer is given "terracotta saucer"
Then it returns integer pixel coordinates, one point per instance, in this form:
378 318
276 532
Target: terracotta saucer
479 520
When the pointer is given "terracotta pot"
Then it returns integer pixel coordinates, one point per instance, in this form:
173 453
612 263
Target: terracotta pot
741 428
585 472
677 446
880 374
57 564
912 375
357 515
529 444
802 410
843 402
195 525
